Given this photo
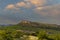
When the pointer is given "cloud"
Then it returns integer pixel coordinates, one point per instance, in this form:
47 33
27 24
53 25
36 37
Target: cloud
37 2
27 4
39 8
10 6
17 5
21 4
52 11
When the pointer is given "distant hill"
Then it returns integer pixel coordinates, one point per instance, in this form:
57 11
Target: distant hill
25 23
32 26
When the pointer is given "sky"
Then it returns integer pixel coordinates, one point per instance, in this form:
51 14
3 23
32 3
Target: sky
45 11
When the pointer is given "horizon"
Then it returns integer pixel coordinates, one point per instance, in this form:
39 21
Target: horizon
42 11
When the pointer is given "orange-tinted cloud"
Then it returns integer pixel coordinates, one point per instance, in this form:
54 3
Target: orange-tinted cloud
37 2
10 6
39 8
27 4
20 4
